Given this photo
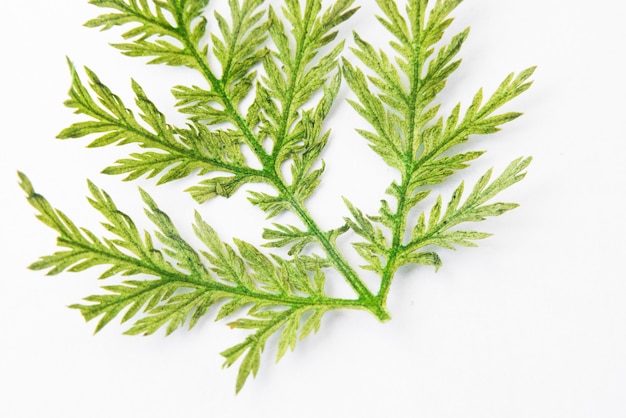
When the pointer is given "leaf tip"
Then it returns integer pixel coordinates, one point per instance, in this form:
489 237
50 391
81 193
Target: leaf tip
25 184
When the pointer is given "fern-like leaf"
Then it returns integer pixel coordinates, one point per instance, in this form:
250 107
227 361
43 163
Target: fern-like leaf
163 31
269 79
399 102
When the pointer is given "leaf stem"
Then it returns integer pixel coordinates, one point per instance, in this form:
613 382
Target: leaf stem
409 158
338 260
397 235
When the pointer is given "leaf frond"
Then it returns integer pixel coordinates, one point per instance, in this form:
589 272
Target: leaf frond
270 77
162 30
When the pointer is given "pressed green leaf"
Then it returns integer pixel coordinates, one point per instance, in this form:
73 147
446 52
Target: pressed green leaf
269 76
397 96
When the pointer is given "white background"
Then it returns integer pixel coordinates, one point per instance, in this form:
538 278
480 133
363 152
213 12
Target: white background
530 324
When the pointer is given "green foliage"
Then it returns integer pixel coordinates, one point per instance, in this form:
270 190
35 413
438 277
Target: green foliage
288 63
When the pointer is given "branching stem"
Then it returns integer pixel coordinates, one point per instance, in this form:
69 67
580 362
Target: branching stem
366 299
